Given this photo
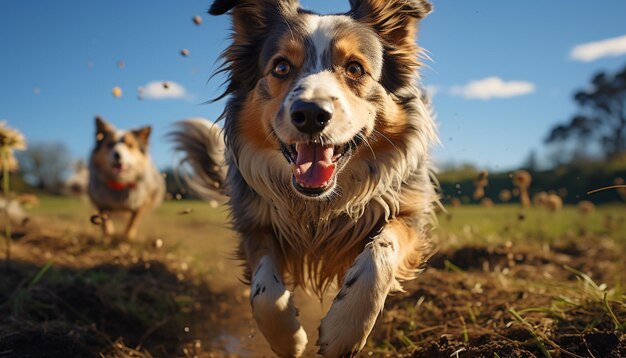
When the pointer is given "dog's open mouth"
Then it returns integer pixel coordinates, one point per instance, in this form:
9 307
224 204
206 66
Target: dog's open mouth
315 166
118 168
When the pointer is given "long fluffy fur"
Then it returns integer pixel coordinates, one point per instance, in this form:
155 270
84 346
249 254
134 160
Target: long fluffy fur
372 191
347 198
202 144
400 180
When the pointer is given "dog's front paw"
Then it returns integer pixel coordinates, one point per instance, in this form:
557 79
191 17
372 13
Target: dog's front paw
275 313
291 344
327 350
344 330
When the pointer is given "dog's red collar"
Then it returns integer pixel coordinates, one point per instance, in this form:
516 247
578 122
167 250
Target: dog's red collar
116 185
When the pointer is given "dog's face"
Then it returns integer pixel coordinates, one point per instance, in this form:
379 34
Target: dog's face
120 155
321 87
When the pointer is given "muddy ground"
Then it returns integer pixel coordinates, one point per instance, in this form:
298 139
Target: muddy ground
175 293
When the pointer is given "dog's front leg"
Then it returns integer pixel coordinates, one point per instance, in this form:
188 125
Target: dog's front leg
274 311
131 228
133 222
344 330
108 229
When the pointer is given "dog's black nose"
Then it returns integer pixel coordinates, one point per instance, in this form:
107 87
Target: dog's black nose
116 155
311 117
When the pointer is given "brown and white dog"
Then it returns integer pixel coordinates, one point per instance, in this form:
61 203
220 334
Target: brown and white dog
325 159
122 177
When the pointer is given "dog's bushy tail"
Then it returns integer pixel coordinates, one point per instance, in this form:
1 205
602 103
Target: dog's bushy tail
201 144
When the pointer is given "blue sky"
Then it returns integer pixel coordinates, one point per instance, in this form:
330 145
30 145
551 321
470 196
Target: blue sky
58 66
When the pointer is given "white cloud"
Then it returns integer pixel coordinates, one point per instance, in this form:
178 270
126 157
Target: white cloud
492 87
592 51
162 90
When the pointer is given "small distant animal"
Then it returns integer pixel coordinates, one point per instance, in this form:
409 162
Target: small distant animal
324 154
122 176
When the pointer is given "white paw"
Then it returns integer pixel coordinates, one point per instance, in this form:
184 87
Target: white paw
344 330
274 312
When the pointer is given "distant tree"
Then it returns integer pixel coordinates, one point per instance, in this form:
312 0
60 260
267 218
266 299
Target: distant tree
531 163
45 165
602 116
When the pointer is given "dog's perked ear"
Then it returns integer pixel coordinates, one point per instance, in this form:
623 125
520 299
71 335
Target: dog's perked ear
102 128
252 16
142 135
220 7
395 21
252 20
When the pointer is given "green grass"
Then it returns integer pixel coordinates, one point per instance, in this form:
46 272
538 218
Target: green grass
63 206
190 228
505 221
501 223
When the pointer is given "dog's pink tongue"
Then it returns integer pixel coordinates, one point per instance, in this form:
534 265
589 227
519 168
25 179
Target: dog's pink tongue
314 164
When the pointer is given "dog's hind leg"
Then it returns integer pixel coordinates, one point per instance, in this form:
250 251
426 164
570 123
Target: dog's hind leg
274 311
344 330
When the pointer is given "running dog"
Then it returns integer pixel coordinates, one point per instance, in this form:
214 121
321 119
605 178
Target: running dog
324 155
122 177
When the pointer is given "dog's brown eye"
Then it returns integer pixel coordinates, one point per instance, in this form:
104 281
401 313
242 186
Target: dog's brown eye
281 69
354 70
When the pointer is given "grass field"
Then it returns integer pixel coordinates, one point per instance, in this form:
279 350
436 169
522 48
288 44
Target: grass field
504 282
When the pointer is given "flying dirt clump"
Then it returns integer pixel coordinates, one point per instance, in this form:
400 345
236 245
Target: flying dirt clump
116 92
487 203
522 180
586 207
505 195
554 202
540 199
480 183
